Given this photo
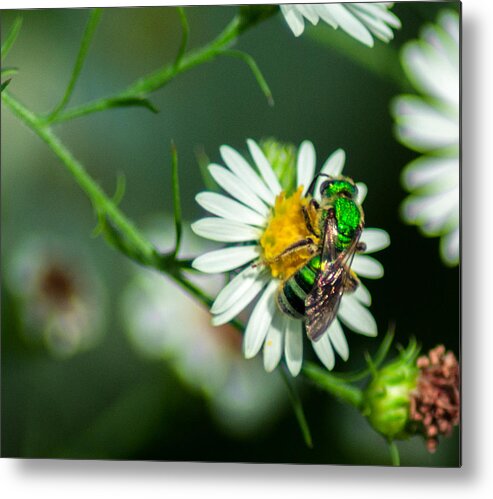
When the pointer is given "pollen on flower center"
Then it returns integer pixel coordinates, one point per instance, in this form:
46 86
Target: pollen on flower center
287 226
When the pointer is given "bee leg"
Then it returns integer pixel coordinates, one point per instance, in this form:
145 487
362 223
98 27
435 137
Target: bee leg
308 219
306 244
351 283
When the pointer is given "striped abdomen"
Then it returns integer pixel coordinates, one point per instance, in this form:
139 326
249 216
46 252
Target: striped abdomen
292 294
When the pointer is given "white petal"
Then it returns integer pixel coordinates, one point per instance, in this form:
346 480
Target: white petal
264 167
423 127
260 321
356 317
375 25
305 165
362 294
424 209
240 167
294 19
273 341
324 351
449 247
225 207
380 12
375 239
366 266
293 346
431 72
350 24
325 14
225 259
237 188
242 302
237 287
308 12
362 192
226 231
338 340
426 169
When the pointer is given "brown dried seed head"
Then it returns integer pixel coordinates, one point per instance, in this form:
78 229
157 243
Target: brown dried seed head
435 403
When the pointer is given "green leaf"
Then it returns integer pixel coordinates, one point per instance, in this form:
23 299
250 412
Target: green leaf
92 24
204 162
131 102
11 37
5 84
184 38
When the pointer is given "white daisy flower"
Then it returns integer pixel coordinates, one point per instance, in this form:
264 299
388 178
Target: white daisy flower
362 21
259 220
429 124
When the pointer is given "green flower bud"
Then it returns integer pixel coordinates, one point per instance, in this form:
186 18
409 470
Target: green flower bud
386 401
415 396
282 157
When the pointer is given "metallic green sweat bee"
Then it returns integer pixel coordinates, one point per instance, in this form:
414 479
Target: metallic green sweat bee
314 291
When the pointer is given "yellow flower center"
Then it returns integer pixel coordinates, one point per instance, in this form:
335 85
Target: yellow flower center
287 226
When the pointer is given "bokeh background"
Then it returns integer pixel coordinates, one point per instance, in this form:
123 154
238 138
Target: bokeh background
118 396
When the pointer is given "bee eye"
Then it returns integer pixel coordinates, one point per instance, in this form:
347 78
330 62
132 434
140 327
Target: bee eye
325 185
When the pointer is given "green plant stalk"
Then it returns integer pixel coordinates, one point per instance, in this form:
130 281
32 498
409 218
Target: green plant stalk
159 78
101 202
394 453
297 409
334 385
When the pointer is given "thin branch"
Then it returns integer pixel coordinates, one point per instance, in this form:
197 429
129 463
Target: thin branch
184 37
162 76
11 37
251 63
298 409
92 24
332 384
101 202
175 182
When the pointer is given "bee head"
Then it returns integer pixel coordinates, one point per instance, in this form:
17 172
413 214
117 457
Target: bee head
338 187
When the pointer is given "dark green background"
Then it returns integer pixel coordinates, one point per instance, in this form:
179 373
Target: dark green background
111 402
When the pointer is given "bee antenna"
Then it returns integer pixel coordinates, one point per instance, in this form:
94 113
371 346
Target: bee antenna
312 185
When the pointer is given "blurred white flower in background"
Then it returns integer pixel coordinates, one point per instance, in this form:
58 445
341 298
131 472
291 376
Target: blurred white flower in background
62 300
429 124
164 323
362 21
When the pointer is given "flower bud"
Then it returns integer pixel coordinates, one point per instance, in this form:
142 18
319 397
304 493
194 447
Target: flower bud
415 395
282 157
387 397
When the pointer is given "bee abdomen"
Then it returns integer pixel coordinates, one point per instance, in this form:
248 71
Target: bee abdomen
292 294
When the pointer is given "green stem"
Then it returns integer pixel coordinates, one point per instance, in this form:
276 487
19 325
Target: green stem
175 182
159 78
394 453
99 199
298 409
335 386
92 24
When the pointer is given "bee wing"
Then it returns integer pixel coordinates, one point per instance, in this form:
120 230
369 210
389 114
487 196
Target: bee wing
322 303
